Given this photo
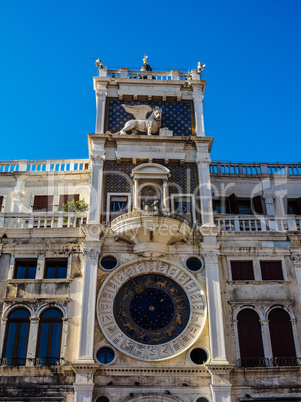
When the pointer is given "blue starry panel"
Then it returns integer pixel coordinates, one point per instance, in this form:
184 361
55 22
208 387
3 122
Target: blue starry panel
176 116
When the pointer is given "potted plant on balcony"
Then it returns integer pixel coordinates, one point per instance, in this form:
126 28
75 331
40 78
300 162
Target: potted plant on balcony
74 206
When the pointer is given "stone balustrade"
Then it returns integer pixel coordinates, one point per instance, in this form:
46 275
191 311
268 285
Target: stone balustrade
125 73
254 169
64 165
247 223
39 220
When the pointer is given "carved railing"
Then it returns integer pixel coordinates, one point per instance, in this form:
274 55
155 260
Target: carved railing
38 361
38 220
64 165
125 73
139 213
255 169
247 223
266 362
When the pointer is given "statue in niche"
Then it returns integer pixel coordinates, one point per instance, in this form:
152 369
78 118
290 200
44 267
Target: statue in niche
150 199
149 126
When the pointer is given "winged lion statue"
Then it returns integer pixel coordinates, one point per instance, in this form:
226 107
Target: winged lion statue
141 123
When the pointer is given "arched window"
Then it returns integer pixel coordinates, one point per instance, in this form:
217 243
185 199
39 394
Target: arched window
16 337
282 339
49 337
250 339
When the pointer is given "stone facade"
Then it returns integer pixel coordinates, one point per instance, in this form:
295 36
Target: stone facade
179 282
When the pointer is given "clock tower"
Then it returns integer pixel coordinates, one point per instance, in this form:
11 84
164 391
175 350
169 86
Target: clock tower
152 326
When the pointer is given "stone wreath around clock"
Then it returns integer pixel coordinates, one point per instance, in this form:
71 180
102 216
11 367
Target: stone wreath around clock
151 310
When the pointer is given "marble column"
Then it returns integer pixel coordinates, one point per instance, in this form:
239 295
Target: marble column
86 343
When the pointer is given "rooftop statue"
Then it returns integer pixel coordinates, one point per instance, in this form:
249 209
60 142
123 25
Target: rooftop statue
149 126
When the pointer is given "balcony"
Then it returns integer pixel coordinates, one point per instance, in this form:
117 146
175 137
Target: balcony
258 223
37 362
42 220
152 230
266 362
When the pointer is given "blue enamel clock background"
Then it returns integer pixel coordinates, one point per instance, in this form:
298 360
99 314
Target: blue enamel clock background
176 116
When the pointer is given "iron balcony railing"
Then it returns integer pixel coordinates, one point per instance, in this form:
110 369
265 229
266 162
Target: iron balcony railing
37 361
246 362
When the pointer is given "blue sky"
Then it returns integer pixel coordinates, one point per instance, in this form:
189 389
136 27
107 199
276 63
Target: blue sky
251 49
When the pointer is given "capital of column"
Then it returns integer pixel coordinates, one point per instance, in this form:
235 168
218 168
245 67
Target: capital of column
97 159
198 95
18 195
296 258
91 253
101 94
203 163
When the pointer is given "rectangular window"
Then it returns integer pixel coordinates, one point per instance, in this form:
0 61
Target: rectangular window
183 204
293 206
271 270
67 198
25 269
1 202
42 203
244 207
56 269
242 270
221 206
118 205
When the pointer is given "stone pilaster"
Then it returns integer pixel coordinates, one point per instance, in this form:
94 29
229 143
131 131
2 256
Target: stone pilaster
101 94
18 195
198 108
215 312
84 383
203 166
220 382
96 191
86 342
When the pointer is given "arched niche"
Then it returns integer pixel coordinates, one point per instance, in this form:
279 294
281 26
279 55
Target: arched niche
153 176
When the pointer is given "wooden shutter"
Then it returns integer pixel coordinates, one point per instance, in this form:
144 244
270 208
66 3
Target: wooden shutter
298 201
1 202
43 202
281 334
249 335
285 205
242 270
233 204
259 205
271 270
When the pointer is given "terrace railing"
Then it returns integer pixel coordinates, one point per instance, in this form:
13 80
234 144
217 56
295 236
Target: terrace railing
247 223
64 165
255 169
39 220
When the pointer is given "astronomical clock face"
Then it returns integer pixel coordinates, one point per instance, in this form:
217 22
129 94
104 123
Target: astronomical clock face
151 310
